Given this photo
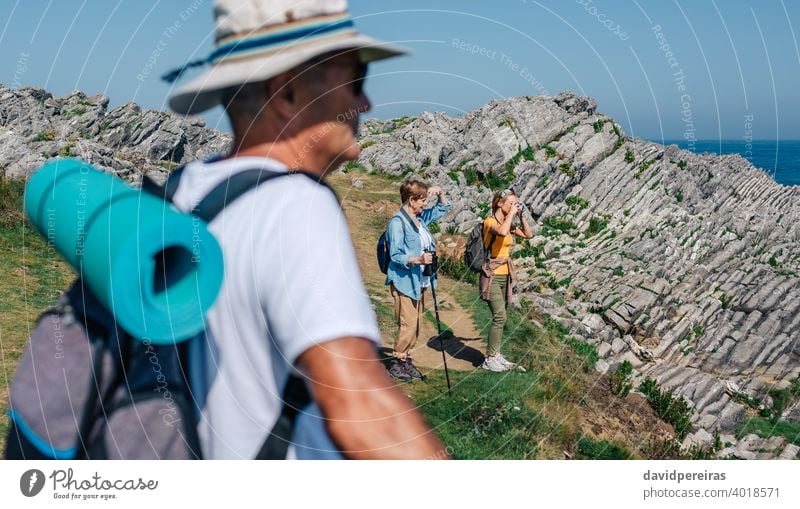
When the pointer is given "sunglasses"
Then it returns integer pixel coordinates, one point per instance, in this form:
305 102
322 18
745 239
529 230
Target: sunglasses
360 74
360 79
506 192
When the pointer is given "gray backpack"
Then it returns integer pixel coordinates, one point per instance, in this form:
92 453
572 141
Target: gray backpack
476 253
86 389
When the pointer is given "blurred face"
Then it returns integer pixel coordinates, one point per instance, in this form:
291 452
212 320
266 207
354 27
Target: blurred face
417 203
333 98
508 201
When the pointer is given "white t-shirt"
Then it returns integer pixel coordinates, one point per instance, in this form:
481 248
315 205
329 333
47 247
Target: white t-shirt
291 282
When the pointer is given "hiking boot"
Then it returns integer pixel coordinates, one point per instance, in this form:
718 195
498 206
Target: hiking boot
413 371
397 370
492 364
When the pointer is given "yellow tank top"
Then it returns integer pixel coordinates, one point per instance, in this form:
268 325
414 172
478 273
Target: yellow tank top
501 245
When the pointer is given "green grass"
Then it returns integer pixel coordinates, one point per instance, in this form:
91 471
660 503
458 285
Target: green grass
488 417
66 150
765 429
483 209
528 250
431 317
168 165
567 169
470 172
620 380
575 201
457 269
513 415
644 167
45 136
554 283
495 181
554 225
596 225
674 410
33 276
384 311
629 156
523 153
73 113
353 165
589 449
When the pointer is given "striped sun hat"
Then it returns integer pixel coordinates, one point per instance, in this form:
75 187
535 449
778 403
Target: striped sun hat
258 39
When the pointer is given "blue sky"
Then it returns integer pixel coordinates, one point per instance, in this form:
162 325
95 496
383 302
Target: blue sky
733 63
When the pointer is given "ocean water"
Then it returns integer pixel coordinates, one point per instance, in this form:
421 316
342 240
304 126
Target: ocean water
780 159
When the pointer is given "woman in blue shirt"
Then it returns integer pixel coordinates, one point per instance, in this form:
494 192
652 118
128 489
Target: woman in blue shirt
410 249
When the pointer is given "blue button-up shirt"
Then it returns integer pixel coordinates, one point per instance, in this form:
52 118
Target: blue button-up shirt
404 243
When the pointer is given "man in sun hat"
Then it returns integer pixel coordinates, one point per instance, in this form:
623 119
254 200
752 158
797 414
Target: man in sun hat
293 306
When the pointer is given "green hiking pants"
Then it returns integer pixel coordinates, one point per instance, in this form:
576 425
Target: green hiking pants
497 304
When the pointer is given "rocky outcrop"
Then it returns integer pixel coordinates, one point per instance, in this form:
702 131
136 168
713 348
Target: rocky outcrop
128 141
686 265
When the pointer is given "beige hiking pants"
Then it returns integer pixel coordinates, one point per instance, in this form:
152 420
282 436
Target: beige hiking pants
408 313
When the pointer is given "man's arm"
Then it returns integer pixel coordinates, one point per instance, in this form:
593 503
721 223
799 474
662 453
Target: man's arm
367 416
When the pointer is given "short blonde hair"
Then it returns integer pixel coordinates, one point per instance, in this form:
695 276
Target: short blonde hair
413 188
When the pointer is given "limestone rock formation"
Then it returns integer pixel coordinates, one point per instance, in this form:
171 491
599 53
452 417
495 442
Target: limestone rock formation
686 265
128 141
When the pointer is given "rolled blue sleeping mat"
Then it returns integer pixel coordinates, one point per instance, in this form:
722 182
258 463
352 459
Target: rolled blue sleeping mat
156 269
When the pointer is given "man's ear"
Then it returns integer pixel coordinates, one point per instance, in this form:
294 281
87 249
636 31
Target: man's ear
282 94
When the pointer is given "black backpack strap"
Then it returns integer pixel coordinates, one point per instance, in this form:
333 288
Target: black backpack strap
168 189
227 191
408 218
295 398
295 395
171 185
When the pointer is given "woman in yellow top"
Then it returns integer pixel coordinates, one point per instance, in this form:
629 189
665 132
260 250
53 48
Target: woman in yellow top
497 275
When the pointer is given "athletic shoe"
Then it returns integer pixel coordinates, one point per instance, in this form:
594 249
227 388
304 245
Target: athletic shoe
505 362
413 371
508 364
397 370
492 364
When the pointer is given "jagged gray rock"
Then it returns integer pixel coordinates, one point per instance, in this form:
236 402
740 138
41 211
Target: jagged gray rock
692 258
684 264
127 141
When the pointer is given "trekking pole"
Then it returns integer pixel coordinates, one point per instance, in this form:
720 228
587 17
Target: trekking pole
434 272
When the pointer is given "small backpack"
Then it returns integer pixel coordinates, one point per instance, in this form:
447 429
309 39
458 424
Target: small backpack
382 249
476 252
86 389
